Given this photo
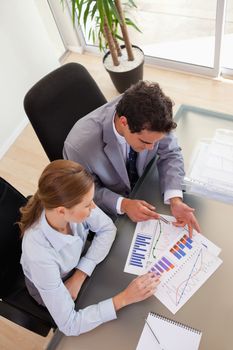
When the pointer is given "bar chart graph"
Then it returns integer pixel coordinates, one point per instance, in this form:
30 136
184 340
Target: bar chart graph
182 247
151 238
140 250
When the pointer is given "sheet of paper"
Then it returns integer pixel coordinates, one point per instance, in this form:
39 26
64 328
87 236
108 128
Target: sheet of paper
211 170
182 263
151 238
183 270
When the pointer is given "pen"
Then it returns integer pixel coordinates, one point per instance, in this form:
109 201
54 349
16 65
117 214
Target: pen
163 219
153 334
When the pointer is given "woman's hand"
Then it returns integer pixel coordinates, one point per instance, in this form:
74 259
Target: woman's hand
139 289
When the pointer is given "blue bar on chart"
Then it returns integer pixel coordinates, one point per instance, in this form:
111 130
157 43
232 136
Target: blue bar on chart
189 240
185 242
178 250
175 253
140 249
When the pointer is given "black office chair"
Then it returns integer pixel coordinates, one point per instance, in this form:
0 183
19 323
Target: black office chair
57 101
16 304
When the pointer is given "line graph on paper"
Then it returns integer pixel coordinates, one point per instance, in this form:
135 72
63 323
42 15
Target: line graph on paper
183 269
151 238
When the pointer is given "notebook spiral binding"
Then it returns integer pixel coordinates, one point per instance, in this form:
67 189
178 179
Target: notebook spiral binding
182 325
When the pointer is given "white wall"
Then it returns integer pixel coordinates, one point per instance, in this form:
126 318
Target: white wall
62 15
26 55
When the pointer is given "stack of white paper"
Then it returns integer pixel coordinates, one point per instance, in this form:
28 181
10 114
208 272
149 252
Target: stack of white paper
211 171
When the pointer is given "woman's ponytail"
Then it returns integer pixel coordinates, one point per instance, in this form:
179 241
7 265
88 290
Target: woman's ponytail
30 213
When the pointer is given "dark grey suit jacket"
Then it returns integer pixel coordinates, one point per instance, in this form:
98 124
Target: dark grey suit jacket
92 143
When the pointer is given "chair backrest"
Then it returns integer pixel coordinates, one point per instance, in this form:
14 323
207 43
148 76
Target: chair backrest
57 101
10 243
16 304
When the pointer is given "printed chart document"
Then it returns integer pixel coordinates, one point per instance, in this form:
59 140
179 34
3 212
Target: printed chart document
182 263
160 332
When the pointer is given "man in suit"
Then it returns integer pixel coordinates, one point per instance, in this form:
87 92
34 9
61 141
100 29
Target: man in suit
139 120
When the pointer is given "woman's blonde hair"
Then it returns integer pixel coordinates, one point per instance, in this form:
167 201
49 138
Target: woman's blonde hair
62 183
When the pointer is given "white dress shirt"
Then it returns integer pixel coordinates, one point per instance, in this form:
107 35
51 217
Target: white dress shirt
48 256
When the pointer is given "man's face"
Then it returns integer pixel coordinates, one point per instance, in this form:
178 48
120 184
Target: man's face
143 140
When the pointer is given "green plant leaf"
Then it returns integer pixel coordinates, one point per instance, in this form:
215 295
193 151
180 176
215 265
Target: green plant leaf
132 24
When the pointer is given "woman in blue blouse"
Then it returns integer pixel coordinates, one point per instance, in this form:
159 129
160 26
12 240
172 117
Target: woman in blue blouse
55 223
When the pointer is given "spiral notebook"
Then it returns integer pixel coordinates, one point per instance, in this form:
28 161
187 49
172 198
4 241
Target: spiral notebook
162 333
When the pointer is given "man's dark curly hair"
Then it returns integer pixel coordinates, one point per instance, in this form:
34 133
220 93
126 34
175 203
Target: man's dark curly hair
146 107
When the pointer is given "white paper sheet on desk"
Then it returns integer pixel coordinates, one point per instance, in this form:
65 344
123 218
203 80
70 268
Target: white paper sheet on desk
181 275
183 264
151 238
210 175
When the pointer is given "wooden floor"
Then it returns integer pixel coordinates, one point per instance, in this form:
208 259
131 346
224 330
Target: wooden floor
25 160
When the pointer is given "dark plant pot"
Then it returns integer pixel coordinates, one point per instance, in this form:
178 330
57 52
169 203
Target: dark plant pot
123 80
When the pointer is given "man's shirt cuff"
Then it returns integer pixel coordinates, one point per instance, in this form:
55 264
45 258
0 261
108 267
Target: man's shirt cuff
171 194
118 205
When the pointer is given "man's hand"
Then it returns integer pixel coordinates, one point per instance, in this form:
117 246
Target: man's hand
184 215
138 210
75 282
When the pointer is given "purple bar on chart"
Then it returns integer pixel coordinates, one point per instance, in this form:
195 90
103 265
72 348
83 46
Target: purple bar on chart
158 268
165 267
169 264
155 271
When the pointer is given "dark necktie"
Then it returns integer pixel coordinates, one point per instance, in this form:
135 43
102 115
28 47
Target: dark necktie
131 167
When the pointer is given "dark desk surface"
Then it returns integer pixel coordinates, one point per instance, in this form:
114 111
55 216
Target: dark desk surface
210 309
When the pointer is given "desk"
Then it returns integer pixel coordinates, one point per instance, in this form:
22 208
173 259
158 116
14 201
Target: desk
210 309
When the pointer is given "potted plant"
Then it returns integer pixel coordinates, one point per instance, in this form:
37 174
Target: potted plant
124 62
